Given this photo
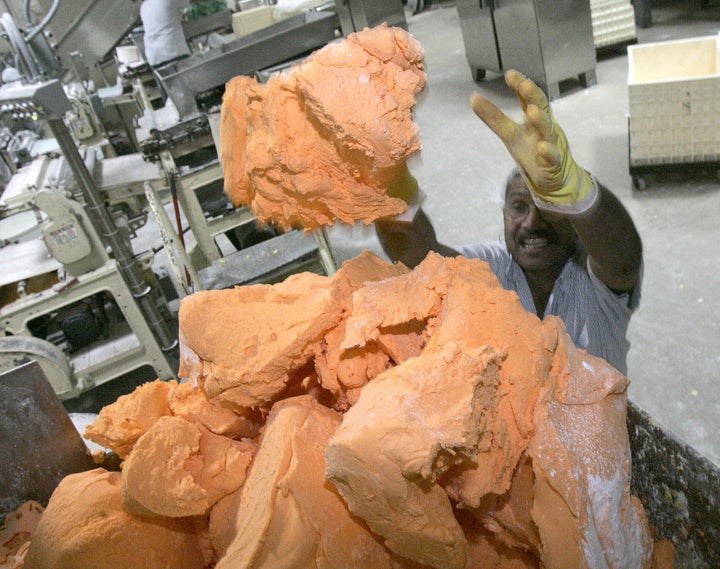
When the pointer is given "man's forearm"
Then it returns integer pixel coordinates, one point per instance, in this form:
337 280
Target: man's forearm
612 241
410 243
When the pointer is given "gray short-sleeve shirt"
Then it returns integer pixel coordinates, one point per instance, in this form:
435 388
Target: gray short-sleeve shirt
596 318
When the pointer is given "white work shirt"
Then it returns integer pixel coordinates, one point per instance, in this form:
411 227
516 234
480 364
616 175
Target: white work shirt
596 318
162 23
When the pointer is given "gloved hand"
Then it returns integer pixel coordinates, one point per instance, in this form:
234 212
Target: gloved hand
539 147
405 186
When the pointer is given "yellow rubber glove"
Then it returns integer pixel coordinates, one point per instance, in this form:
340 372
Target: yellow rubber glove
403 185
538 146
406 187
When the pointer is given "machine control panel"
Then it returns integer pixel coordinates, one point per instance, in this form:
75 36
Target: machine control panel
34 101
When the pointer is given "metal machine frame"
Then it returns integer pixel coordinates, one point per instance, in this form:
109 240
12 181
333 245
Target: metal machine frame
120 276
109 359
282 41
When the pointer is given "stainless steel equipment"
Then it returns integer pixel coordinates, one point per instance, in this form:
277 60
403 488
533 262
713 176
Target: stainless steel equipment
80 302
202 72
32 55
217 22
270 261
40 444
202 76
548 41
355 15
90 29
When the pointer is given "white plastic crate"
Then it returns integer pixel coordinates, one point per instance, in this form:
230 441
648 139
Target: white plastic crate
674 96
613 22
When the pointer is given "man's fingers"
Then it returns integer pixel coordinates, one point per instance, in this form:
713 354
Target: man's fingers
531 94
541 122
491 115
513 79
548 155
526 90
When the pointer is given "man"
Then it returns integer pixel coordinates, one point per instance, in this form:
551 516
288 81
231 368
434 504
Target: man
163 39
163 36
571 248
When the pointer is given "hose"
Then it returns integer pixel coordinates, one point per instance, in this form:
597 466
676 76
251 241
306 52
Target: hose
41 26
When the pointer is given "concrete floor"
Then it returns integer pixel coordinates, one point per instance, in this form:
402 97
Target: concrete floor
674 361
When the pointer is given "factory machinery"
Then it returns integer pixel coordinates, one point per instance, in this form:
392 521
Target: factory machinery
91 151
80 277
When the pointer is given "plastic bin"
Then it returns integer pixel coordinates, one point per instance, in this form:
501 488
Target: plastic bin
613 22
674 104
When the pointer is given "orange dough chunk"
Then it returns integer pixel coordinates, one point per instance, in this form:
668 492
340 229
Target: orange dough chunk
287 515
244 355
85 525
324 141
180 469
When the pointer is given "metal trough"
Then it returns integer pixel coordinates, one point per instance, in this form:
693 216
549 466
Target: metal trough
680 490
287 39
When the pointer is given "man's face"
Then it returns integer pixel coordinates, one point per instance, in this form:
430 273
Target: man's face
537 240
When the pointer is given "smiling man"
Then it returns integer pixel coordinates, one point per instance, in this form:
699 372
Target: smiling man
570 247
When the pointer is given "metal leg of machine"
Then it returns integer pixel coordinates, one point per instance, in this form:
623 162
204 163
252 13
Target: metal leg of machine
589 78
183 270
643 14
325 252
556 42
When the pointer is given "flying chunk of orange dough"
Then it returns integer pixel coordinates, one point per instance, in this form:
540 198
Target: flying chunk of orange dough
324 141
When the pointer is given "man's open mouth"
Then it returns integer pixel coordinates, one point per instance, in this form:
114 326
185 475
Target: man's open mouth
534 242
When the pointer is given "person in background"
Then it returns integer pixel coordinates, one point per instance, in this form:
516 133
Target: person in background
570 247
164 40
